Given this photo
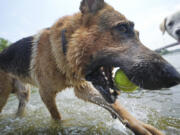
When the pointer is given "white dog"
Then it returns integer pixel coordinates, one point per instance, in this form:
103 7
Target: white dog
171 24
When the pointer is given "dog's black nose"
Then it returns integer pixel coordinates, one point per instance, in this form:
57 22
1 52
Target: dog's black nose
155 76
167 76
178 32
171 74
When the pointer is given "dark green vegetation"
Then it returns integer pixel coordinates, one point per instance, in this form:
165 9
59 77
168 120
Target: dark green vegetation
3 43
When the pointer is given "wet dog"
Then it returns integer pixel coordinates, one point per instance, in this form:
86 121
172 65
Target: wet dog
171 24
80 51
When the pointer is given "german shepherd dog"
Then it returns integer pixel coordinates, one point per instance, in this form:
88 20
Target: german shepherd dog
80 51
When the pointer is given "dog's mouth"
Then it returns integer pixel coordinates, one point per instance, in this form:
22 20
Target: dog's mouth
102 79
151 74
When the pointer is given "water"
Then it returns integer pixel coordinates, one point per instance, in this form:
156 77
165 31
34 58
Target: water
159 108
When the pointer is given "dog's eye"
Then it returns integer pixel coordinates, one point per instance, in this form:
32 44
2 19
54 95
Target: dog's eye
123 28
170 24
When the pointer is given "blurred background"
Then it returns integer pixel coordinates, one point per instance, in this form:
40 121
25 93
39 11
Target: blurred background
20 18
161 108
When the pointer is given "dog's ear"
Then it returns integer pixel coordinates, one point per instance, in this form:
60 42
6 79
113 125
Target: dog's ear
91 6
163 26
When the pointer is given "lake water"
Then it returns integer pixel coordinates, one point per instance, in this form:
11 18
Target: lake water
160 108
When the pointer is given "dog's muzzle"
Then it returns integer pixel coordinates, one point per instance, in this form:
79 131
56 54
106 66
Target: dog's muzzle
147 70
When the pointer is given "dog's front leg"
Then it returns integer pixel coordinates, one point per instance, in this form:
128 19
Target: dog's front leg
88 93
48 97
132 123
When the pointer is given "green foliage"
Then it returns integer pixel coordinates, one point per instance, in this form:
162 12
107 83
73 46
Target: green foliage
3 43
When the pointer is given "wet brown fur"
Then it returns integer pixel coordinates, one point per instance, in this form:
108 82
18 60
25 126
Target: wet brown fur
52 71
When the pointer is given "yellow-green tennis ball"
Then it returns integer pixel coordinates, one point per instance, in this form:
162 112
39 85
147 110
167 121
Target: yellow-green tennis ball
123 83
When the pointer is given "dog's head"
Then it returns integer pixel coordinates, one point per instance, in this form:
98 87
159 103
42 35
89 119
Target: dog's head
171 24
107 40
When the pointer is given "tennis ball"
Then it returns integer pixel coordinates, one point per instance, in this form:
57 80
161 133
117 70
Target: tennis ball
123 83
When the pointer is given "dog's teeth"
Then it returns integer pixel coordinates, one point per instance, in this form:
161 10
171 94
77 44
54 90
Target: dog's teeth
103 73
111 91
